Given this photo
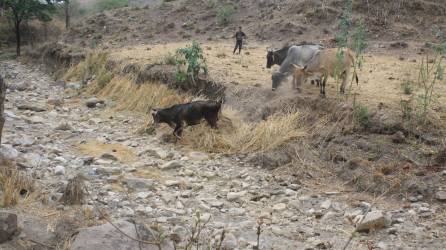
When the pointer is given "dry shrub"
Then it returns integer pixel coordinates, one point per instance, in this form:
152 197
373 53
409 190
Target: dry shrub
94 64
13 183
236 136
140 97
74 191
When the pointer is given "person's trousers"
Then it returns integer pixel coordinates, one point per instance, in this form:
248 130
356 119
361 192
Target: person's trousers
238 44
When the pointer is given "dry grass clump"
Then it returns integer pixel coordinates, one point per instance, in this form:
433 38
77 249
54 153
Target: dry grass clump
94 64
13 184
140 97
236 136
74 192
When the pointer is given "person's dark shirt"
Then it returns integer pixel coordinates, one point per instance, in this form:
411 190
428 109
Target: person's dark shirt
240 35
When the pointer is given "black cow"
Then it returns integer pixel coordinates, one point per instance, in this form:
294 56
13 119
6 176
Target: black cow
188 114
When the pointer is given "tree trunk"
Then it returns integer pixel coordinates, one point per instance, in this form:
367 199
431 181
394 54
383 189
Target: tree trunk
17 36
2 103
67 14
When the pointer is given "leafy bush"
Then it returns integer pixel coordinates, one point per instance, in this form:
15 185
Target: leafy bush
101 5
192 56
224 15
362 115
407 87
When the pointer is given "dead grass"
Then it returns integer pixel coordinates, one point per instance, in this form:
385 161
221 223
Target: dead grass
97 149
236 136
74 192
93 64
14 184
140 97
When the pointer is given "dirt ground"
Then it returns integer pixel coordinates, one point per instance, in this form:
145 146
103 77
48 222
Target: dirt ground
380 78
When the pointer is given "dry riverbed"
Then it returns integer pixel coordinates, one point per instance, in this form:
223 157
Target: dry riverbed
160 187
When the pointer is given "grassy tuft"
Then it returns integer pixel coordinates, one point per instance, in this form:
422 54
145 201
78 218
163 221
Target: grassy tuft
14 184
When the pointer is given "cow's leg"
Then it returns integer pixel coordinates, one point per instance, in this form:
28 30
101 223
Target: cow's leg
212 120
322 86
344 81
178 130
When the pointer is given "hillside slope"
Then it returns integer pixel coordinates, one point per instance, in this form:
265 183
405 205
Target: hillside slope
274 22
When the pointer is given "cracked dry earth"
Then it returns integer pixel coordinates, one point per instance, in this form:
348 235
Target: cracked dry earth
140 177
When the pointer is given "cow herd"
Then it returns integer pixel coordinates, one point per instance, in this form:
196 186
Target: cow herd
304 62
311 61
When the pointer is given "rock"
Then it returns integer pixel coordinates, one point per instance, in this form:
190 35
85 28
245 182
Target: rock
172 183
106 237
279 207
8 226
230 242
198 156
441 196
64 126
108 156
399 45
217 204
32 159
8 152
92 102
171 165
31 228
139 183
326 204
33 107
233 196
373 220
398 137
59 170
19 86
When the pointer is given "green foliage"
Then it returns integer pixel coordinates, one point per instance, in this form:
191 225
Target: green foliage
361 115
102 5
407 87
104 78
345 24
211 3
225 14
19 10
192 56
430 73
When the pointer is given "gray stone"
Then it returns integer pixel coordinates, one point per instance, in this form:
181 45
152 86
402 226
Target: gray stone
279 207
373 220
139 183
198 156
107 237
441 196
230 242
92 102
19 86
171 165
108 156
33 107
233 196
59 170
8 226
8 152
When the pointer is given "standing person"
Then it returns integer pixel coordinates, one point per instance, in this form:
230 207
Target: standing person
239 36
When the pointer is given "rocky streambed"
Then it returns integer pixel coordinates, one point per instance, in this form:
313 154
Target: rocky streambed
154 190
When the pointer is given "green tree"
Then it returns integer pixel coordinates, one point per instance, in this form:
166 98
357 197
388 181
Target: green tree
23 10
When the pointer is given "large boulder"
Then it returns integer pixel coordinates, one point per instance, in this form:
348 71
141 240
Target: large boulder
8 226
106 237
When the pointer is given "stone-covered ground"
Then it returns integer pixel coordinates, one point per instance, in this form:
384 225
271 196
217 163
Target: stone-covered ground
142 179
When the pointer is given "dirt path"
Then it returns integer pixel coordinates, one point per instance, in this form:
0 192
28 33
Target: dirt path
143 178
